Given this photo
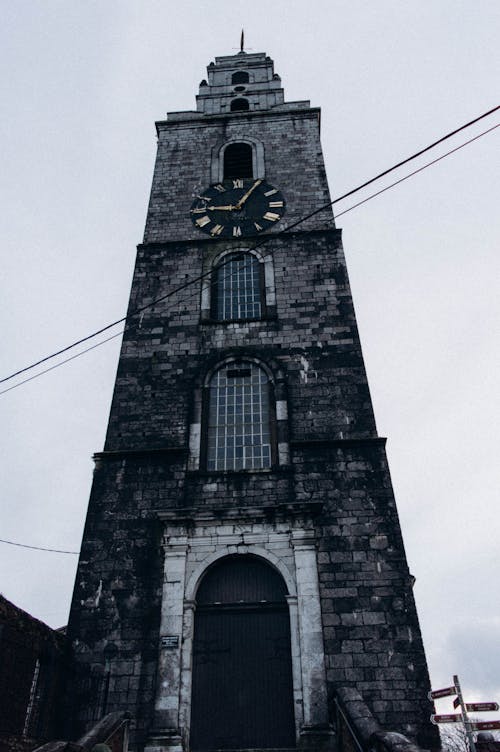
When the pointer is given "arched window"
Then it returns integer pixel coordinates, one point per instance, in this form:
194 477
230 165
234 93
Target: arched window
240 77
239 105
238 288
238 161
238 431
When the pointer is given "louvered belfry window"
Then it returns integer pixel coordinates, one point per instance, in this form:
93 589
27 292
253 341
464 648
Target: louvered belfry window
238 161
238 426
239 105
237 288
240 77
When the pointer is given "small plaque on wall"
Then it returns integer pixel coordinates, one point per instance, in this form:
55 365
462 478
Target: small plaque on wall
170 641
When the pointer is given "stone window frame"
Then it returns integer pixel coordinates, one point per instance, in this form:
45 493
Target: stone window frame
217 158
268 290
278 411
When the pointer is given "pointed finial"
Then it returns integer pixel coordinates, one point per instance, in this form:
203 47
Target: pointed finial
242 41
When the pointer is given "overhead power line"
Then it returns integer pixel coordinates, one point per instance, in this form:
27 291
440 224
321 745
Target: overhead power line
108 339
264 240
415 172
62 362
39 548
339 214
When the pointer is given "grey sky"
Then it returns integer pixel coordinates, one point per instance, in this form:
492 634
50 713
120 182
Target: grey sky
83 84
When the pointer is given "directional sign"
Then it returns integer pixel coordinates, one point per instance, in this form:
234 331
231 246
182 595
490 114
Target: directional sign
479 707
451 718
456 702
437 693
486 725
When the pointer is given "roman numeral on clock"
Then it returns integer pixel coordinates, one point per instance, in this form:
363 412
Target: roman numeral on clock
275 204
202 221
238 183
271 216
216 230
236 231
219 188
271 192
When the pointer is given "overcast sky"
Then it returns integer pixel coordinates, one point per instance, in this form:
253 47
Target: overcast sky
83 82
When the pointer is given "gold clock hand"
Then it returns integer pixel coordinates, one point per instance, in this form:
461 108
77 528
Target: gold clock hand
247 194
230 207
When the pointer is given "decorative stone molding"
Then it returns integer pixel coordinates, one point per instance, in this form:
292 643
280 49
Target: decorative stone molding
191 546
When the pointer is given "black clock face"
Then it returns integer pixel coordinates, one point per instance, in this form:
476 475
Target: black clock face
237 207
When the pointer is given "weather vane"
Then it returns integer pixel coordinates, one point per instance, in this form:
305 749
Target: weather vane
242 43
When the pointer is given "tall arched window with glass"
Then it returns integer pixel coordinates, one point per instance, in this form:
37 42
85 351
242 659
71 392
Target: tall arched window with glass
239 418
237 288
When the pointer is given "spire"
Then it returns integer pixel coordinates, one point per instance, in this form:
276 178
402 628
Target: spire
242 41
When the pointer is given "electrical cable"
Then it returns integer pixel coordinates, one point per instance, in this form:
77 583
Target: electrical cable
62 362
258 245
39 548
267 237
98 344
415 172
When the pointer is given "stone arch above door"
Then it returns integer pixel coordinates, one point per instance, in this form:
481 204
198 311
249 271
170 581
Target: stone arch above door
195 543
228 550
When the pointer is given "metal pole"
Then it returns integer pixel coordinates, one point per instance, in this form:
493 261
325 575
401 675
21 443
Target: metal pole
465 717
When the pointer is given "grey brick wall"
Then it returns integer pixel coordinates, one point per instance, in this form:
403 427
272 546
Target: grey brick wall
371 634
313 338
293 163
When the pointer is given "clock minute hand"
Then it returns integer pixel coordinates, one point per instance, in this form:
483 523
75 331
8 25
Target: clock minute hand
247 194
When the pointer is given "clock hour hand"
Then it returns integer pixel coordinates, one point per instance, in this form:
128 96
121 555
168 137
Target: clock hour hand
230 207
247 194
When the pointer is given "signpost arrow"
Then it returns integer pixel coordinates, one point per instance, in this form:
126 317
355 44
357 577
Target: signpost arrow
465 707
479 707
450 718
486 725
437 693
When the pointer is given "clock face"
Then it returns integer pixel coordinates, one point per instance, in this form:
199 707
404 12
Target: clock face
237 207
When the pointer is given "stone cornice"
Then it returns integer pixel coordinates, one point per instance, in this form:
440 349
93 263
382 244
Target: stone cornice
125 454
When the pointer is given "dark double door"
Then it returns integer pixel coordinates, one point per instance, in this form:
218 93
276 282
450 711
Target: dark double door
242 679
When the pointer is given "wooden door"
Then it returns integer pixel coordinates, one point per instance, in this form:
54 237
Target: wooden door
242 678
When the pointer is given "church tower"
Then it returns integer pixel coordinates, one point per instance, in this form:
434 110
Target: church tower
242 566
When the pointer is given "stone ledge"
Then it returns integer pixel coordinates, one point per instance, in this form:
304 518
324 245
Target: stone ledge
119 454
284 235
340 443
188 515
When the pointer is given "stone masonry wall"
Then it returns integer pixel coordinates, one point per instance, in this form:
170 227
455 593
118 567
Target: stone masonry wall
313 338
371 635
293 163
330 459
